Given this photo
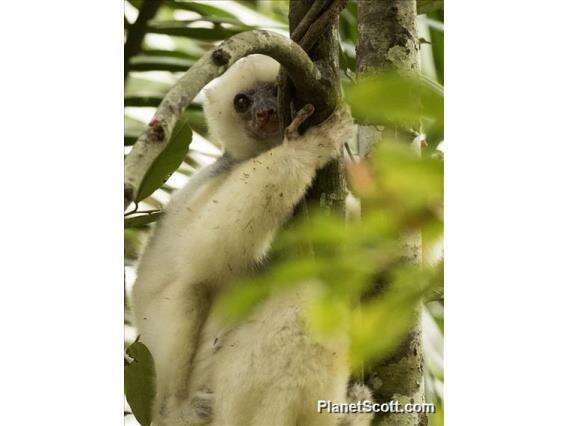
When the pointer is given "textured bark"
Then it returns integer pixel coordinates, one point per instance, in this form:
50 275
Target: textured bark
154 140
388 42
387 36
329 188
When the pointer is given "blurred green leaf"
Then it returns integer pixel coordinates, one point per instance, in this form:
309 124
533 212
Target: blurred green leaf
137 86
168 53
142 101
393 313
197 121
394 99
132 125
437 39
152 101
202 9
130 139
140 382
427 6
212 19
169 160
204 34
141 63
132 244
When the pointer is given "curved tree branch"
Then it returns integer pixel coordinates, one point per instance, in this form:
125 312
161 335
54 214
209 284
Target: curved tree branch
154 140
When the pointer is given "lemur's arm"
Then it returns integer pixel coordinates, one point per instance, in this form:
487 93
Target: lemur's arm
239 221
237 224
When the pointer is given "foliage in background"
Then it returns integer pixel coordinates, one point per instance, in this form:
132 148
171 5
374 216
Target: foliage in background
403 194
403 190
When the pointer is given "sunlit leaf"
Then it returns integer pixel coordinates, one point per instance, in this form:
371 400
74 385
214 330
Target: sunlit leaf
202 9
168 53
136 86
204 34
166 63
133 126
397 100
381 323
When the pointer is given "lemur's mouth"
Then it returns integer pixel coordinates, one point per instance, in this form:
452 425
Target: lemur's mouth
265 123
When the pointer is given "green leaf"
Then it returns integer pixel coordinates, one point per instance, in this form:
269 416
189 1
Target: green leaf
130 139
141 219
167 53
204 34
141 63
142 101
169 160
197 121
427 6
212 19
152 101
140 382
202 9
133 126
437 38
398 100
136 86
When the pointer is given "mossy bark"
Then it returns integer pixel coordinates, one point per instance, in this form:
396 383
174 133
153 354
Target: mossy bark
388 42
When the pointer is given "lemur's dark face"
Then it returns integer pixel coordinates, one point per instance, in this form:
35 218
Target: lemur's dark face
258 107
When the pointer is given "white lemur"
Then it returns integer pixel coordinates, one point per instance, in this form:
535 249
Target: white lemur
267 370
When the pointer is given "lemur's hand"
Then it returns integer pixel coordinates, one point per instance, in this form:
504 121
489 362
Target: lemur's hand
325 140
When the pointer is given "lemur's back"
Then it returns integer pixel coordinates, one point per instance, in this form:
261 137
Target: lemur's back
161 262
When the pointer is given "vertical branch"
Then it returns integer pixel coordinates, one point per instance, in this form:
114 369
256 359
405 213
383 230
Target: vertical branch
388 42
137 31
329 187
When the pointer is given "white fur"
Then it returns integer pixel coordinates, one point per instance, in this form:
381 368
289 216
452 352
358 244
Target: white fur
267 370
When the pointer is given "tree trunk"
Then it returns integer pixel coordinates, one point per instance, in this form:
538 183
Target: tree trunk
329 188
388 42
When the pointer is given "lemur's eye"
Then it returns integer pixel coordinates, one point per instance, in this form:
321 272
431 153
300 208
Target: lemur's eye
242 102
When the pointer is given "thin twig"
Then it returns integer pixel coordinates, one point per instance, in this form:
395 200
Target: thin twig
317 28
301 116
348 149
142 212
308 19
132 211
